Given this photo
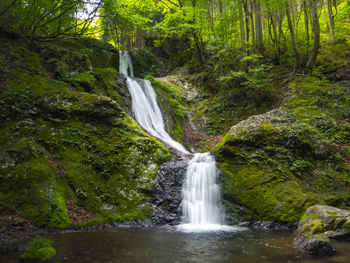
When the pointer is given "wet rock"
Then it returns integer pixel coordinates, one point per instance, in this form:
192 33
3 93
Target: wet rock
319 225
338 234
315 246
270 225
167 192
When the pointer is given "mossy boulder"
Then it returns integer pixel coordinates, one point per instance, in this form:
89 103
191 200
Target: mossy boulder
147 61
61 61
40 250
319 224
277 164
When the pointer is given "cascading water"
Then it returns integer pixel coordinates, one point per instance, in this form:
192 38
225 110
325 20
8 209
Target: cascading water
144 104
125 64
201 203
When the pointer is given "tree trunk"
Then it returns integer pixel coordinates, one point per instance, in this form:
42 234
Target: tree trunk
292 34
331 19
277 40
197 41
251 14
246 16
316 33
241 24
306 18
258 26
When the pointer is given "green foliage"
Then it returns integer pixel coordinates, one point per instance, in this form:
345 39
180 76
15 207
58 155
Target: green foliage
300 166
39 249
46 19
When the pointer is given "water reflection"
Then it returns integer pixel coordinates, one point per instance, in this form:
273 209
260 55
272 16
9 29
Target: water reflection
170 245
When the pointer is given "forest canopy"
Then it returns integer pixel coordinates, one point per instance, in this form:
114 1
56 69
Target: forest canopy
283 30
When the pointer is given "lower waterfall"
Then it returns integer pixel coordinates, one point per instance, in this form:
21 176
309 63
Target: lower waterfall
201 200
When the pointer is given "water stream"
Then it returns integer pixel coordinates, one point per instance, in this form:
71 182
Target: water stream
201 204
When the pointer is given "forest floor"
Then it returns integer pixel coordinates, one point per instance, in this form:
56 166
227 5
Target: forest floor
15 230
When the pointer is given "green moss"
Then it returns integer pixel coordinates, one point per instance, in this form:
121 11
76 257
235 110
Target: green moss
293 148
39 249
312 227
142 212
269 128
61 61
83 81
105 83
309 216
267 194
26 61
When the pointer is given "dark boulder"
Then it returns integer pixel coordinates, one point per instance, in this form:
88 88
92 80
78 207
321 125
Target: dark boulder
167 192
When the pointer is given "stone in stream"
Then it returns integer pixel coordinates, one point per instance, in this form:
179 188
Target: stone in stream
319 225
167 192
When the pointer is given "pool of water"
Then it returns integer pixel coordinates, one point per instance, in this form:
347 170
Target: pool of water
171 245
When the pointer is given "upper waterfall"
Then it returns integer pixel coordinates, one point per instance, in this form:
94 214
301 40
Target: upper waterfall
144 104
125 64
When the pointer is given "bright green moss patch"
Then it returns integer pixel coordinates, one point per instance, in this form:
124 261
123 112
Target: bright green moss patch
141 212
39 249
83 81
312 227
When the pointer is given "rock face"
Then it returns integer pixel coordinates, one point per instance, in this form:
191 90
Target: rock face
67 138
167 192
319 225
276 165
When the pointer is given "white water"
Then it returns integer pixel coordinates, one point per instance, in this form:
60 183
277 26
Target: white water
144 104
201 203
125 64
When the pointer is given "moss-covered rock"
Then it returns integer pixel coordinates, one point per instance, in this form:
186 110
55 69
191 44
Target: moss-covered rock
146 61
58 143
40 250
277 164
319 224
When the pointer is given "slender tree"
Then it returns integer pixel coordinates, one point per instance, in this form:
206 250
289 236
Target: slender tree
316 34
292 34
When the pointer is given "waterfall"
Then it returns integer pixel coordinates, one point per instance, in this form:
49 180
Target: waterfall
201 203
144 104
125 64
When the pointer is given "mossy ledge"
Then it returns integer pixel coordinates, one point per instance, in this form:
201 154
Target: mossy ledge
64 137
277 164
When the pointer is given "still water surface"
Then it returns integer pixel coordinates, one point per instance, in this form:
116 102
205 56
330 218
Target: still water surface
169 245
